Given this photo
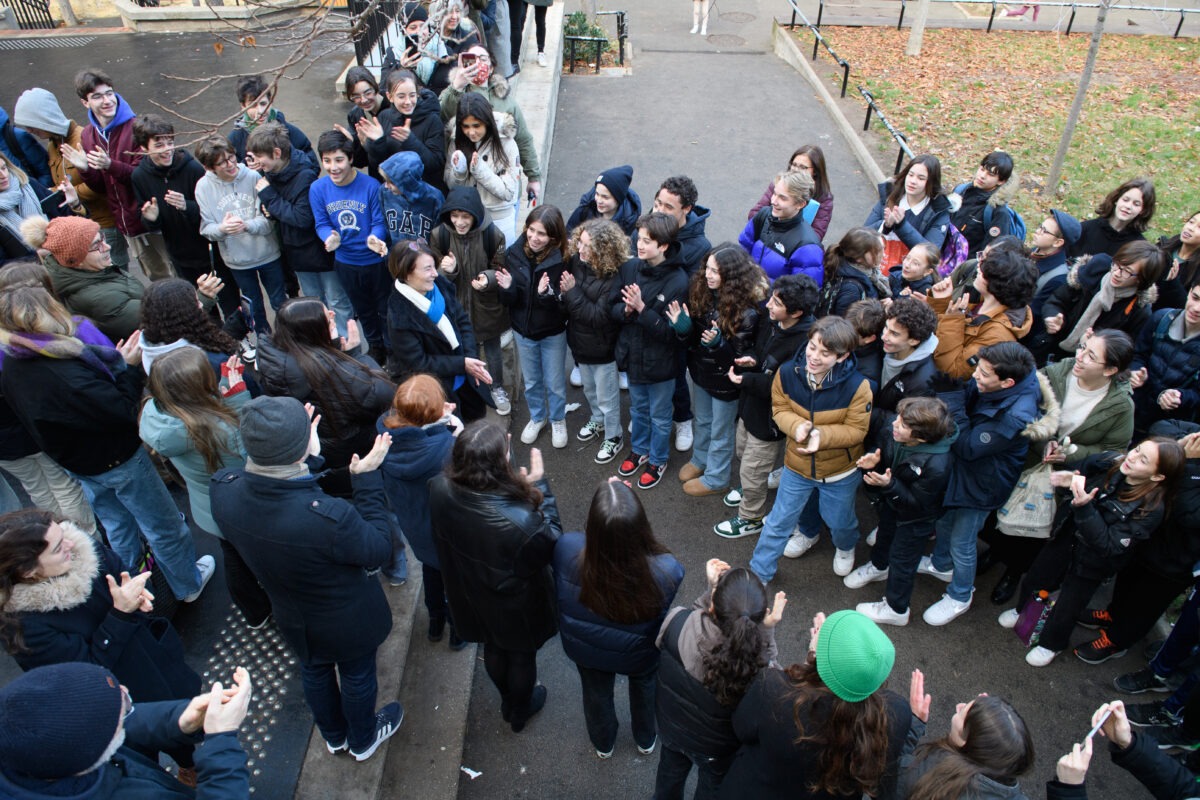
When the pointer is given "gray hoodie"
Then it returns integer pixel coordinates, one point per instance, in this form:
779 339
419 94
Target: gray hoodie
891 366
255 246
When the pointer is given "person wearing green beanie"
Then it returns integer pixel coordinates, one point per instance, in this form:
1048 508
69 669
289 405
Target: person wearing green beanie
826 727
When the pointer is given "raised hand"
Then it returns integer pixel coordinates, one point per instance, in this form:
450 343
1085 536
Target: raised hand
536 469
77 158
131 349
918 701
150 210
503 278
333 241
371 461
478 370
775 614
377 246
1053 324
869 460
401 133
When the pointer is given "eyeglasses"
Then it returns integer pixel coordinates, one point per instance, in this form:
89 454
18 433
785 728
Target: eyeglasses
98 246
1085 356
1121 269
1043 229
231 158
109 95
365 95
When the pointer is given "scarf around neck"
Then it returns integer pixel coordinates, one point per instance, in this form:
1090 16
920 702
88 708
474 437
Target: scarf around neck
17 202
1101 301
105 360
434 306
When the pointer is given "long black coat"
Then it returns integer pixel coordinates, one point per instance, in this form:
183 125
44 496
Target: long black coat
315 556
533 315
495 555
418 345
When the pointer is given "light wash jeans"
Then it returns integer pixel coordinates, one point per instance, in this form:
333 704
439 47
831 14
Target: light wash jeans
327 286
51 488
603 392
131 502
715 429
545 379
955 546
836 503
650 409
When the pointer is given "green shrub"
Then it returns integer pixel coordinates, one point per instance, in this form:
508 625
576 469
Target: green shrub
578 24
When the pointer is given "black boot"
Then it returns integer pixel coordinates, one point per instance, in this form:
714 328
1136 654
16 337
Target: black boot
520 716
436 626
1002 595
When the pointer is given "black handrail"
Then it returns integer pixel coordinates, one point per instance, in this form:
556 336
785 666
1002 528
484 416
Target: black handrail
841 62
599 41
622 32
899 136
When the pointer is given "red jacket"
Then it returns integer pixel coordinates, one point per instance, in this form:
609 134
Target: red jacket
117 180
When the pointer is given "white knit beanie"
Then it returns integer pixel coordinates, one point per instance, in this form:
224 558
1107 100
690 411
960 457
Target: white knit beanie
38 108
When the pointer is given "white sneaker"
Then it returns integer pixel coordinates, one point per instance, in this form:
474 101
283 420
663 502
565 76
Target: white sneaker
695 29
208 567
843 562
532 429
871 537
799 544
608 450
1040 656
623 381
590 430
500 398
683 435
882 613
576 378
774 477
867 573
541 58
1009 618
925 567
946 610
558 431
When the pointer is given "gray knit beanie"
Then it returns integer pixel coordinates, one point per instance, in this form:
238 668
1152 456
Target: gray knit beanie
275 431
38 108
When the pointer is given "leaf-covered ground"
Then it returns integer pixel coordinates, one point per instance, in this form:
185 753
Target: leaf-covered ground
970 92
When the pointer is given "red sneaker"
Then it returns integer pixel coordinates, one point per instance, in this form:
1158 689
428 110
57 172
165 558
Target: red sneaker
631 464
651 476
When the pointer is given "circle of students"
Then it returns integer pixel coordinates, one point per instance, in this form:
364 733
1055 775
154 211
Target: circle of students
355 420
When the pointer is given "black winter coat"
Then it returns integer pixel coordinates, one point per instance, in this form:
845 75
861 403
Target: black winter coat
361 160
690 718
1097 237
15 441
1170 364
919 481
316 557
647 344
533 315
709 366
915 379
1175 546
1071 300
285 197
495 554
591 331
772 346
931 225
427 138
180 229
418 345
595 642
847 286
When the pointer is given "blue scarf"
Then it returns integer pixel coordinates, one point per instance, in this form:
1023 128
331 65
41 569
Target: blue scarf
437 310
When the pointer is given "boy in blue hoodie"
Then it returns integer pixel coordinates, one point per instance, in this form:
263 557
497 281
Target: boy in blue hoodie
999 401
410 205
349 219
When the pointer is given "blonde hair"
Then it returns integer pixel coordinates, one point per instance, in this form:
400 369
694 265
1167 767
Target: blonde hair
610 245
797 185
30 309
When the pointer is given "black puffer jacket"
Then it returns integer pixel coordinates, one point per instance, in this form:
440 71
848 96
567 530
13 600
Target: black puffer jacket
591 333
480 252
180 229
709 366
285 197
920 473
534 315
647 344
690 718
772 346
1175 546
495 554
426 138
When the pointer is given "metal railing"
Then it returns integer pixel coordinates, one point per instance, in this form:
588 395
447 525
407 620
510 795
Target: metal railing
32 14
898 135
378 31
622 32
600 43
819 40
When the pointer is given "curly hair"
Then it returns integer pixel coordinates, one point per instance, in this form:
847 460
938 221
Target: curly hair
170 312
914 316
996 745
852 738
739 605
609 244
743 286
1011 278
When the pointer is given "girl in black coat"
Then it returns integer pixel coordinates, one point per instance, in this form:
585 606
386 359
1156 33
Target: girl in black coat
430 332
724 298
369 102
852 272
414 122
495 531
67 598
1121 218
1183 260
1110 510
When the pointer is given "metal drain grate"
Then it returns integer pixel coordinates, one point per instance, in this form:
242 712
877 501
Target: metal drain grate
45 42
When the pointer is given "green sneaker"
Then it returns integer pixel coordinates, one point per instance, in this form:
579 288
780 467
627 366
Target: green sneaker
737 527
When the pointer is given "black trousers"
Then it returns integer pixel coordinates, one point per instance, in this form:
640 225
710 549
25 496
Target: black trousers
1052 571
250 598
1140 596
514 672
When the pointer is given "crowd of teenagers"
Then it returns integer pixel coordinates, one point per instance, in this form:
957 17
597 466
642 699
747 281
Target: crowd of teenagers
318 338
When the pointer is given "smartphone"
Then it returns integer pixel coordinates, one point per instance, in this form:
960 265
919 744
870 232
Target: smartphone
1099 724
469 59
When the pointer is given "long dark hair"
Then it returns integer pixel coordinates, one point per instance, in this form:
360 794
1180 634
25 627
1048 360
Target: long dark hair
820 177
743 285
617 578
739 604
476 105
479 462
1152 494
997 746
22 541
1109 204
933 186
170 312
302 331
852 739
183 384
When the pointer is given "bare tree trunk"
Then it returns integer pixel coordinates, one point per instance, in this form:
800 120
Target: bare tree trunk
1077 105
917 34
68 13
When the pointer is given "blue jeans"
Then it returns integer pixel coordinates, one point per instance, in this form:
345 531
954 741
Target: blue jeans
328 287
650 409
368 288
715 428
131 502
345 714
542 363
272 278
956 531
836 505
602 389
397 568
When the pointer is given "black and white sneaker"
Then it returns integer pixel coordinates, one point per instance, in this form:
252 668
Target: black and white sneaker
608 450
387 722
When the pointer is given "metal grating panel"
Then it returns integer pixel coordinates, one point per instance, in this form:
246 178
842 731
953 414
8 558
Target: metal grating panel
44 42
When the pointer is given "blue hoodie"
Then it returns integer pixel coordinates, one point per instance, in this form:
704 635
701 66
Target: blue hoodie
412 213
416 456
32 158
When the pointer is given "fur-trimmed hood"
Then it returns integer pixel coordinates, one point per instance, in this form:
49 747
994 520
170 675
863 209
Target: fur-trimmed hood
1145 297
1045 427
497 84
66 591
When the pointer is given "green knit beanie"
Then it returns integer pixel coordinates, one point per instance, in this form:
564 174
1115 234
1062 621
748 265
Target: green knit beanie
854 657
